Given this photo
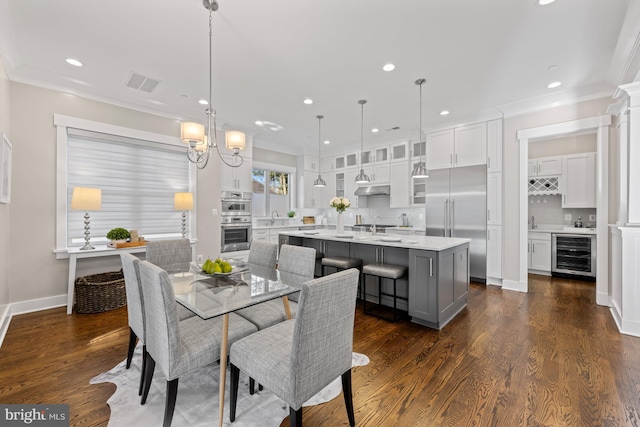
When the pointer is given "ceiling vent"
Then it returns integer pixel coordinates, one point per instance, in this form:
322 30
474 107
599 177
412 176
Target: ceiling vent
393 128
140 82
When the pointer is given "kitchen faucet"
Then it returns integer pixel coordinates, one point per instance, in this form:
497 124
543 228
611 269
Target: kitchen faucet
373 227
533 222
272 218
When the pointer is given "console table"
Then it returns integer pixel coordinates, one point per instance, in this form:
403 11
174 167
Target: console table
99 251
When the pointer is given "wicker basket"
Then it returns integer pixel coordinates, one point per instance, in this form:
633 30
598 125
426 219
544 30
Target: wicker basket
100 292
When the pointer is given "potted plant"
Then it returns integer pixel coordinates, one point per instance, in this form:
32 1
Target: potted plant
291 214
118 235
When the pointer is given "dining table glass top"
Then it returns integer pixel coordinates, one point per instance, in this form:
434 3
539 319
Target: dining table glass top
217 294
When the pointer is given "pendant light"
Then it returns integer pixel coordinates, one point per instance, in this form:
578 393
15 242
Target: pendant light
201 140
319 182
362 177
420 171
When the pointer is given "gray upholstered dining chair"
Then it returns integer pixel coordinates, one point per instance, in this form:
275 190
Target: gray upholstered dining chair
295 260
298 358
170 255
178 347
135 310
263 253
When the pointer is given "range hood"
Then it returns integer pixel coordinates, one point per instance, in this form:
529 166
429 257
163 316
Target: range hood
373 190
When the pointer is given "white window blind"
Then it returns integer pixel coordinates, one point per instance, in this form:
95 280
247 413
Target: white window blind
138 181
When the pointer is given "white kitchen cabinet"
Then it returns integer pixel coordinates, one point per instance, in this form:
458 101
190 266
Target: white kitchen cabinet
462 146
236 178
418 187
494 146
418 148
494 198
545 166
312 197
494 252
311 163
260 235
539 251
367 157
399 176
381 154
339 187
578 182
439 150
378 173
350 186
274 234
399 151
328 192
346 161
470 145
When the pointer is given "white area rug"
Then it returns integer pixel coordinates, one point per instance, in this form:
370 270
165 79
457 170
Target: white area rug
197 402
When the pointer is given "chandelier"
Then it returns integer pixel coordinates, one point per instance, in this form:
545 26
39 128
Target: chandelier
202 141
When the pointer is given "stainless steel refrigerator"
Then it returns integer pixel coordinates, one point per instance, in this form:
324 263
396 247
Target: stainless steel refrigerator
456 206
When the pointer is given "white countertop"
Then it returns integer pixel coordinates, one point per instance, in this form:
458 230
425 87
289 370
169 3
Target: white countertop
292 226
561 229
429 243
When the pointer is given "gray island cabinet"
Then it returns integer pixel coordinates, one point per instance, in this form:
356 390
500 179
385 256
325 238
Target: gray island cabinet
437 283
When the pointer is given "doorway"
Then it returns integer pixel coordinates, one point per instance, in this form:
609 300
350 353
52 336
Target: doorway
599 126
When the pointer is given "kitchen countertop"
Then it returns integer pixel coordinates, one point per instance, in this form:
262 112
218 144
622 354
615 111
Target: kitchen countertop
293 226
428 243
561 229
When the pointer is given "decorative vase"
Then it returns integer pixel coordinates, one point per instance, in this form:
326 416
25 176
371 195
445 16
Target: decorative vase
340 226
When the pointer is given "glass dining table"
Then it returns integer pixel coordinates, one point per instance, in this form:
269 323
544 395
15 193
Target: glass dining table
213 295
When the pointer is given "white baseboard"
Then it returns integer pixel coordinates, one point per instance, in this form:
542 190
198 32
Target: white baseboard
514 285
29 306
494 281
624 326
5 319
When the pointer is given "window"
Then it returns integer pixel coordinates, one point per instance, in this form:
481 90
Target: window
138 177
271 192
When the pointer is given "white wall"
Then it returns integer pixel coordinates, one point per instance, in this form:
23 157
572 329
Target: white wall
511 170
33 270
5 120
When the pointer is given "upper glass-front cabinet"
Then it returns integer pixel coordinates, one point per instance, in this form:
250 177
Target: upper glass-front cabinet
346 161
399 151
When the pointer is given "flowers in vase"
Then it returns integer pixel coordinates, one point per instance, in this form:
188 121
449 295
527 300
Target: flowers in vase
340 203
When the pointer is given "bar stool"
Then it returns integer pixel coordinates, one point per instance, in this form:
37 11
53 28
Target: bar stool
342 263
383 271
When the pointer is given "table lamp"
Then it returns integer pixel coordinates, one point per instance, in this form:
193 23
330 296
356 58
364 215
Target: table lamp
183 202
86 199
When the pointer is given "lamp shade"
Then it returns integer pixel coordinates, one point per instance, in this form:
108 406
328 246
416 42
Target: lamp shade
192 132
86 199
234 140
420 171
183 201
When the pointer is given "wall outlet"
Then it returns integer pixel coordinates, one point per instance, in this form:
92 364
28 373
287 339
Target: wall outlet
199 258
214 212
592 217
567 217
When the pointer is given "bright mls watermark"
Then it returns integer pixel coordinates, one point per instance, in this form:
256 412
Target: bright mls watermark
34 415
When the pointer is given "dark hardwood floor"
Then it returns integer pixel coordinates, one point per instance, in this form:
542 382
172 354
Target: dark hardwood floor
551 357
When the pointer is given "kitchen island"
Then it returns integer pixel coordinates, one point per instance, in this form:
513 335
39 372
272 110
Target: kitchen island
437 283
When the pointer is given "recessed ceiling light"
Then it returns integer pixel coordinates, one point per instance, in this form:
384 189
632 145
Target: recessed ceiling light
388 67
554 85
74 62
374 130
203 102
326 141
444 112
545 2
308 101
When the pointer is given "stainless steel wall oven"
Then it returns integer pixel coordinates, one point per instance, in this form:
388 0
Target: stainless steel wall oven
573 255
235 226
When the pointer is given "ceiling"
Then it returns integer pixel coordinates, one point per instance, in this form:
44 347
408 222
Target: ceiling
480 58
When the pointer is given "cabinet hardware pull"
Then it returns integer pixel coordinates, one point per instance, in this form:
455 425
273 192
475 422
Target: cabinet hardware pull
533 247
488 234
430 267
456 158
451 159
489 214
